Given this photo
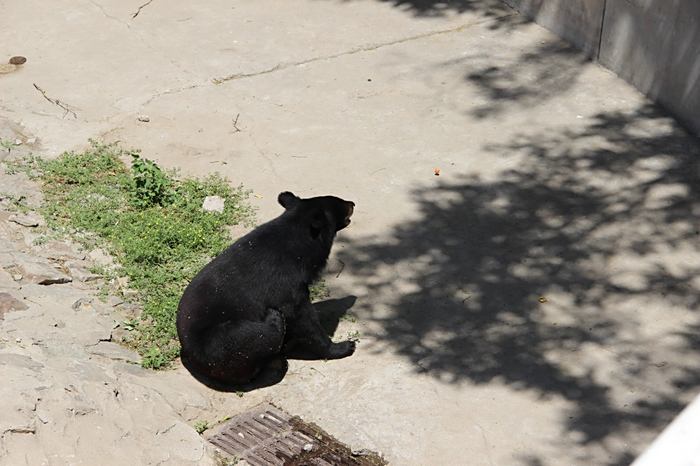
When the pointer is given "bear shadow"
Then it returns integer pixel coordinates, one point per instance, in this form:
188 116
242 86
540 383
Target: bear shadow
330 311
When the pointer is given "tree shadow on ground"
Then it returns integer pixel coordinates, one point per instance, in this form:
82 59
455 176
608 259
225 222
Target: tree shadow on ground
573 275
546 70
503 15
510 78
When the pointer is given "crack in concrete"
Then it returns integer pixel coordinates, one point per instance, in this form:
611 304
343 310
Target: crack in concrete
173 91
100 340
141 8
487 445
108 16
166 430
360 49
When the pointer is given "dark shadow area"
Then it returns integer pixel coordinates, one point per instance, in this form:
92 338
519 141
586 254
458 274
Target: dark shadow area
330 312
547 70
573 275
502 15
267 378
434 8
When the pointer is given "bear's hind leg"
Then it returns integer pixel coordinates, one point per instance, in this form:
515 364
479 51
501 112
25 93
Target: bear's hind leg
237 353
307 339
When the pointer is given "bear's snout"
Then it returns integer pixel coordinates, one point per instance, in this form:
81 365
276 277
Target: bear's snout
350 209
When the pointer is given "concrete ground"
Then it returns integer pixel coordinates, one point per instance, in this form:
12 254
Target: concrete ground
534 304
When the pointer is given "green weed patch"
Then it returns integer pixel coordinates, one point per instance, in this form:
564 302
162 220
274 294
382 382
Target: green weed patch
150 220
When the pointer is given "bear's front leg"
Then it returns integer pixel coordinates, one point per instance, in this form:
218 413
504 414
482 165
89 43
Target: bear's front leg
306 338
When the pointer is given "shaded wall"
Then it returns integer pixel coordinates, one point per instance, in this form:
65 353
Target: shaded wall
653 44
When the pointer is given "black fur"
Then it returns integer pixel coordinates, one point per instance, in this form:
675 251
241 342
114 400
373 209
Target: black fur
248 310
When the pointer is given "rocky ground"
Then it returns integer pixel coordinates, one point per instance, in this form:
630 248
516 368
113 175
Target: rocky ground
70 393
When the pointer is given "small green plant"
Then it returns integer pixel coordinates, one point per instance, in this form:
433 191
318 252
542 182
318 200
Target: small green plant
7 145
354 335
155 358
39 240
24 165
98 270
129 325
201 426
150 221
318 290
150 185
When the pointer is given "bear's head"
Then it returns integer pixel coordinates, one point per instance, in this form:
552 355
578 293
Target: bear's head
322 212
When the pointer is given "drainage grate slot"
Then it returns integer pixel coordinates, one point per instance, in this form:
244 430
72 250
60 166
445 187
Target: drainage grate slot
267 436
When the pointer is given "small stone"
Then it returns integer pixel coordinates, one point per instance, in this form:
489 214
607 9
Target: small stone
143 118
43 416
17 277
83 304
130 294
308 447
60 251
26 220
18 142
9 303
82 275
123 282
31 141
213 204
41 273
17 60
100 257
115 301
131 310
363 452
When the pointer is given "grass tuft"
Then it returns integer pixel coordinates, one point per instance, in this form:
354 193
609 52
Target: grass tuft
151 221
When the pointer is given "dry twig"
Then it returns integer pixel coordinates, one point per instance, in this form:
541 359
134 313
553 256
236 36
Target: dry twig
342 267
235 124
57 102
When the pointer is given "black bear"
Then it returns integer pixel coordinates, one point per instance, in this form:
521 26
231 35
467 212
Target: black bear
248 311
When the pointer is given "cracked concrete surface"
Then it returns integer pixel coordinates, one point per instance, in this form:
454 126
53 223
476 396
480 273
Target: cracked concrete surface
533 304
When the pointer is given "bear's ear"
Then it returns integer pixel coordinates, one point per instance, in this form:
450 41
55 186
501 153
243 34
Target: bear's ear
287 200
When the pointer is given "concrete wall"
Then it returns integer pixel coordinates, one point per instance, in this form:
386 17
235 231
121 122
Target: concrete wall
653 44
577 21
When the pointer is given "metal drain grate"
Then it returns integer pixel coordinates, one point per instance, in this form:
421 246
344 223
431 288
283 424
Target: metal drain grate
267 436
